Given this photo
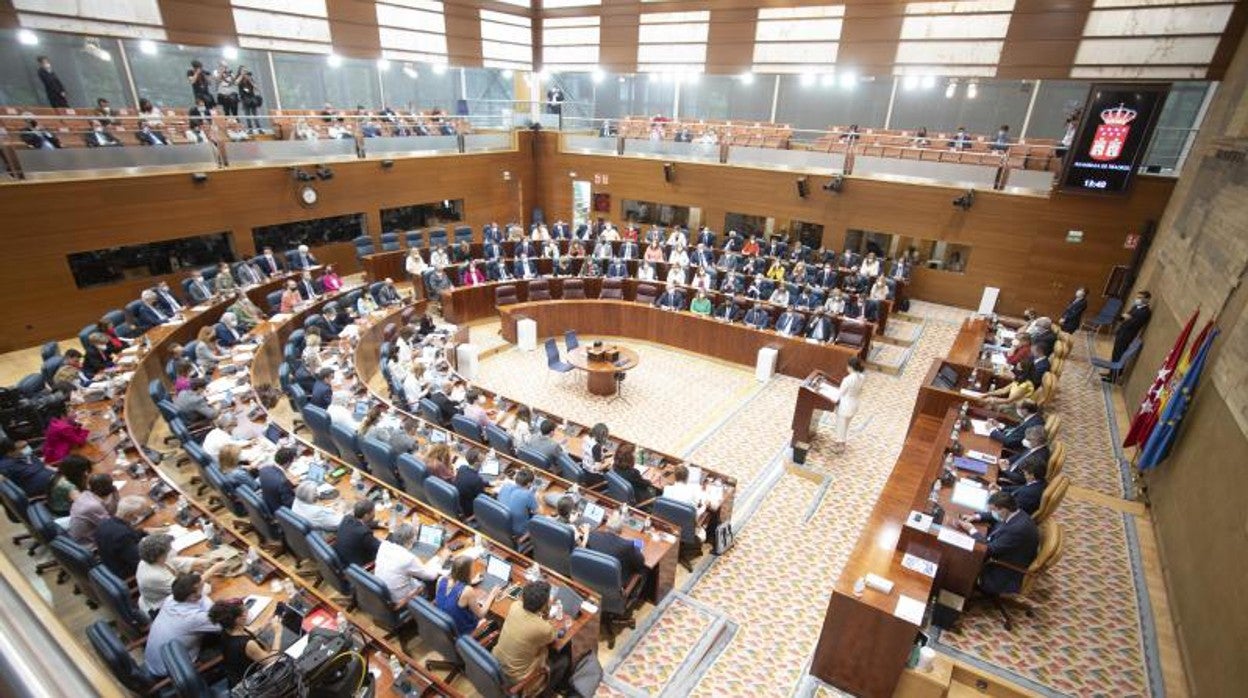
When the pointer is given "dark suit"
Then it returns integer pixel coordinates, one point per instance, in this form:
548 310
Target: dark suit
524 268
497 271
52 85
821 329
97 139
226 337
826 278
642 489
322 394
386 295
629 250
95 361
493 250
790 323
707 238
275 488
757 317
492 233
167 301
117 543
470 484
1012 437
148 316
631 560
1072 316
40 139
1015 541
559 231
446 407
673 299
727 311
198 290
151 138
1038 369
302 260
1013 475
355 542
1027 496
617 269
1137 319
268 264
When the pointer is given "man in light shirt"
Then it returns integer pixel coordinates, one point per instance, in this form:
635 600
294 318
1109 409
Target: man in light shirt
399 569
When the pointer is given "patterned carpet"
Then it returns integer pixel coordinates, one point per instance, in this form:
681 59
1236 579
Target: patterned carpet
1090 459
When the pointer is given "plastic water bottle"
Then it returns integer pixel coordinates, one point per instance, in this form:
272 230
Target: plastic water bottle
556 610
210 532
357 481
396 667
949 462
935 496
343 624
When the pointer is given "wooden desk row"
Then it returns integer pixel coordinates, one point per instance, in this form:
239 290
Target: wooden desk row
140 414
661 465
733 342
963 366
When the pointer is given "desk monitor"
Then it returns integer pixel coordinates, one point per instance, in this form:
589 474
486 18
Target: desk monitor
274 433
593 514
946 378
490 467
971 495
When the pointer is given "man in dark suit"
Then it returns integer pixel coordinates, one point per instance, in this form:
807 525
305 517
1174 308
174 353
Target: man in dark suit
323 389
97 137
702 256
617 269
165 299
606 539
268 262
468 480
826 277
146 136
496 270
306 288
57 96
821 328
559 230
302 258
493 251
492 233
1072 316
1040 363
1012 539
671 299
790 323
275 488
227 332
1133 323
193 406
355 542
38 137
1029 494
629 250
198 288
447 407
117 539
150 313
1034 450
1011 437
388 295
248 274
525 268
726 310
706 237
758 318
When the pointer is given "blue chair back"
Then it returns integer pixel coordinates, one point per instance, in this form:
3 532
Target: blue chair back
553 361
1108 312
499 439
15 501
414 238
553 543
112 650
319 422
381 461
42 523
492 518
428 411
328 564
112 592
466 428
31 385
481 668
76 561
347 444
413 474
91 329
115 317
259 515
683 515
185 677
436 629
603 574
570 340
216 480
444 497
50 367
619 489
298 398
437 236
373 597
389 242
363 246
274 300
48 350
156 390
569 469
536 459
295 530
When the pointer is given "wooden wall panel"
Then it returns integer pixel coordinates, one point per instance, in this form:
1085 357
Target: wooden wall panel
1017 242
730 44
617 52
1042 39
463 35
199 22
353 28
869 37
47 221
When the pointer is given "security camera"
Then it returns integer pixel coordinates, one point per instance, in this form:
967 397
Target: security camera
965 201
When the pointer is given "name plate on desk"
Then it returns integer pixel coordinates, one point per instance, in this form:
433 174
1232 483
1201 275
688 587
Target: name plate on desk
957 538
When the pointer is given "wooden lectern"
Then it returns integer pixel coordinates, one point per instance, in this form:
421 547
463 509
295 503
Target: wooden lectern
819 392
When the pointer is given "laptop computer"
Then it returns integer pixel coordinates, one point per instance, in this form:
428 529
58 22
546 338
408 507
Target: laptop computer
428 541
592 515
497 573
316 472
972 464
274 433
491 468
570 599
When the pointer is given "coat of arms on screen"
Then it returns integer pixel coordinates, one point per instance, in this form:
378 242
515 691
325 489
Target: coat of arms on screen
1111 135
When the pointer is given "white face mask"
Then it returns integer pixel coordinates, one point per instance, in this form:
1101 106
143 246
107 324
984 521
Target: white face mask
1026 443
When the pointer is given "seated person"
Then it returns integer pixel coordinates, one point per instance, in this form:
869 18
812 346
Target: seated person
275 488
672 298
68 483
821 328
97 137
780 296
1011 437
158 568
319 517
468 480
117 538
230 463
790 323
399 568
228 332
183 618
240 648
1013 392
1012 538
38 137
474 407
19 465
355 542
517 495
457 597
387 294
543 443
727 310
757 317
701 305
525 643
596 454
97 503
222 433
1035 449
607 540
1029 494
624 464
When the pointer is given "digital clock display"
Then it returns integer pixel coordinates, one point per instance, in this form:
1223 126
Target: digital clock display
1112 137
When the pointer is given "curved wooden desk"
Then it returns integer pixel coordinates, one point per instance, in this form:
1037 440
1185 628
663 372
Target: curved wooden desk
600 375
729 341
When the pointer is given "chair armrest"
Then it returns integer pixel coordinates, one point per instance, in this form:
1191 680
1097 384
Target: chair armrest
631 585
596 488
521 540
1007 565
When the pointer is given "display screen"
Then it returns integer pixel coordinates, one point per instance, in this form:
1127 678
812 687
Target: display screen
1112 137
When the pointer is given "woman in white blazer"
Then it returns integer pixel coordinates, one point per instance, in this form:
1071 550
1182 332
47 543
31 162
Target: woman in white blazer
847 406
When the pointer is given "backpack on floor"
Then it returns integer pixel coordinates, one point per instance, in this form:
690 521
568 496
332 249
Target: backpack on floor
723 540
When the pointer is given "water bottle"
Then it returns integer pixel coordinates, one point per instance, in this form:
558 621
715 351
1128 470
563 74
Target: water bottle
396 667
210 532
935 496
556 610
949 462
357 481
491 459
252 556
343 625
385 499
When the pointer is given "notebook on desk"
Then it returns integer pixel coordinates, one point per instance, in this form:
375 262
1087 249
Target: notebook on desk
970 464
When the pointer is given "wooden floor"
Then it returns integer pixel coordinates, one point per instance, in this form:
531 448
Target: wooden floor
72 611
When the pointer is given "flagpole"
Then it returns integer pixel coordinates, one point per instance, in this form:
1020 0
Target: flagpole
1137 479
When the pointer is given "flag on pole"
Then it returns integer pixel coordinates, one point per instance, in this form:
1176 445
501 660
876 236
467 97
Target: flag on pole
1159 443
1190 356
1151 404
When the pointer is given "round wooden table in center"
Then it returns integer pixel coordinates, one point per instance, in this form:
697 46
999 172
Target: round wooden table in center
600 372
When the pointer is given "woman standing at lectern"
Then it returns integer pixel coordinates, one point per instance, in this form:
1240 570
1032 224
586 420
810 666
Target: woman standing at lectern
847 406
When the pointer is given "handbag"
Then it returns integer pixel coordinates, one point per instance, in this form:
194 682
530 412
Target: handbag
723 540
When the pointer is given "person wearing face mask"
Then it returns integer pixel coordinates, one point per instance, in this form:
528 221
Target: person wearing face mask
1011 437
19 465
1014 392
97 137
1072 316
146 136
291 298
1034 450
1133 323
1012 538
198 288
